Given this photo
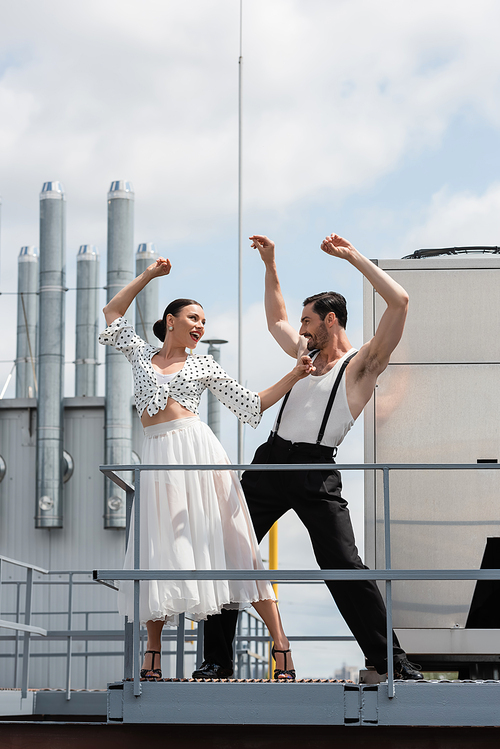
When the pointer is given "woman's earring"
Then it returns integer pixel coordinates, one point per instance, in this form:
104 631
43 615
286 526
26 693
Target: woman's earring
170 327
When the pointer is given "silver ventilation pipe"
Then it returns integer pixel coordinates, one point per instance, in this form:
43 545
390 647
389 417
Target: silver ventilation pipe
213 405
27 318
146 302
87 320
49 511
118 371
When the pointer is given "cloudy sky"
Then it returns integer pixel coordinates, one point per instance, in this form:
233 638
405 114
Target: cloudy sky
377 120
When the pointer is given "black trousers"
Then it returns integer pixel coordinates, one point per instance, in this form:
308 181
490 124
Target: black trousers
316 498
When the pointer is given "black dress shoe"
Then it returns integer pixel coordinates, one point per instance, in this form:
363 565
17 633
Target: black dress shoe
405 670
212 671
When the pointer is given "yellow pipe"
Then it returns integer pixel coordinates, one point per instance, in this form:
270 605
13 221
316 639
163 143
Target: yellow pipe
273 565
273 553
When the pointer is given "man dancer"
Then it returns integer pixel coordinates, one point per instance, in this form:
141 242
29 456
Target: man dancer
308 429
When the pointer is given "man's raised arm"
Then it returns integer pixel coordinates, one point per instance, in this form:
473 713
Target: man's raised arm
277 318
374 356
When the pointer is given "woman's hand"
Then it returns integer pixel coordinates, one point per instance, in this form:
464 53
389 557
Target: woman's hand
304 367
120 303
270 396
161 267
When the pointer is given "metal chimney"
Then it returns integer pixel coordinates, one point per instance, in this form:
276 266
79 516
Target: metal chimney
27 316
118 371
213 405
146 302
87 320
51 357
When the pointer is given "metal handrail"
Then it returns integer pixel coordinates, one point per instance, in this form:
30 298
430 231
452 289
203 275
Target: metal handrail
27 628
193 637
387 574
18 563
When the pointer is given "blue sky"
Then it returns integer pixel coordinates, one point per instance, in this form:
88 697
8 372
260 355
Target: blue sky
377 120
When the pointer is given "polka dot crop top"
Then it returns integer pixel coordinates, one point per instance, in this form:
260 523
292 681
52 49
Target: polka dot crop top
186 386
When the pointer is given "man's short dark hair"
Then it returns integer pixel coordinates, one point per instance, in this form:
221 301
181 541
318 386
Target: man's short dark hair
329 301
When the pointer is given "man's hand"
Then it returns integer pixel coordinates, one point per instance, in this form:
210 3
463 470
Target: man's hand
264 245
161 267
338 247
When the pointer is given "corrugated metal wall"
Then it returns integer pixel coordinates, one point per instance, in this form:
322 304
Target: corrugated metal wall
82 544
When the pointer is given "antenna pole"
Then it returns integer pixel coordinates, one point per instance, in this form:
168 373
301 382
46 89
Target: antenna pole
240 259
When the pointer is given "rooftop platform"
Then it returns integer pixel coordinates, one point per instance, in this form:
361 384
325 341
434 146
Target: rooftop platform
308 702
319 702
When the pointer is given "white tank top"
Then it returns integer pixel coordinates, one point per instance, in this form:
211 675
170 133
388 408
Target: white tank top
304 411
162 379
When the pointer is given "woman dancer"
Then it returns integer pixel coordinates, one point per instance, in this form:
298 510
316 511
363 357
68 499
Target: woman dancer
190 519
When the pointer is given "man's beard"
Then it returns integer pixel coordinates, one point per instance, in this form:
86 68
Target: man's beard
319 340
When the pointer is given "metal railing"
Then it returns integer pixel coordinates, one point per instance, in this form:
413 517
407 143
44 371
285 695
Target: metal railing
26 627
252 635
387 575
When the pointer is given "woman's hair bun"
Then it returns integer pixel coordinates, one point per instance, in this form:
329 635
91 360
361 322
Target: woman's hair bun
160 329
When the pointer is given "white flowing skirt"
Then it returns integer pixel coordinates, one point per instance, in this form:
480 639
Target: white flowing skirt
191 520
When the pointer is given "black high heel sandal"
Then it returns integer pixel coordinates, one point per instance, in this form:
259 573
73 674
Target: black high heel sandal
151 674
283 674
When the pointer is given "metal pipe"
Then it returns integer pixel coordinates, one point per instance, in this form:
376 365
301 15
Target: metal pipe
49 511
199 643
273 552
388 585
137 565
16 648
146 302
86 651
240 250
69 643
179 656
87 320
27 319
118 372
213 405
27 635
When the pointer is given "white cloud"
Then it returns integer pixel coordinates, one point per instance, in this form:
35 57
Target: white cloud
457 219
334 95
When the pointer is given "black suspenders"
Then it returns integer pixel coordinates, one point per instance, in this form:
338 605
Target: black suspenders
329 405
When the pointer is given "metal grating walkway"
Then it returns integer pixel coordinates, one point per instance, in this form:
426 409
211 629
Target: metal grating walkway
318 702
308 702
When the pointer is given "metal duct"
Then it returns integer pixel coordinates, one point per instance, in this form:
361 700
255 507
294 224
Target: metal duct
49 511
118 371
213 405
146 302
27 317
87 320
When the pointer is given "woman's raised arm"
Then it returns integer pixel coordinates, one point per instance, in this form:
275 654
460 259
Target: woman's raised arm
120 303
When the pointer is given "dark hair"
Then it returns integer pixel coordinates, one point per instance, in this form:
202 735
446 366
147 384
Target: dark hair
160 326
329 301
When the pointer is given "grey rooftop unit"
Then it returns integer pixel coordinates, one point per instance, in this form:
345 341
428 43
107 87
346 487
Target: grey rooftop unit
437 402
